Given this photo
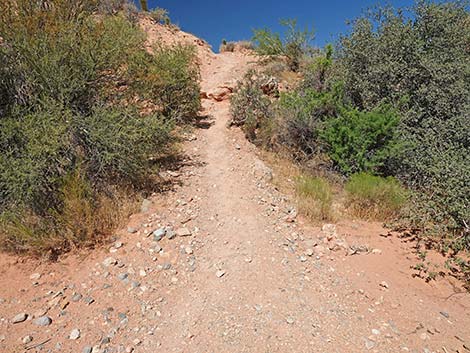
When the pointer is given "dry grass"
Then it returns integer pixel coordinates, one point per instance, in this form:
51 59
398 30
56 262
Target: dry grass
236 46
82 221
374 198
315 198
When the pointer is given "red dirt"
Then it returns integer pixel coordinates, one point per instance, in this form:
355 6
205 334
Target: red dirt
241 282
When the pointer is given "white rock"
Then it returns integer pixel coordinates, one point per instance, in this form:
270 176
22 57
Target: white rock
75 334
27 339
109 261
35 276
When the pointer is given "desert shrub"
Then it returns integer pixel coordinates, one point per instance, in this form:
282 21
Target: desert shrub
250 108
169 78
245 44
315 198
235 46
118 146
303 113
359 141
227 47
318 74
419 64
86 218
160 15
85 113
374 197
293 44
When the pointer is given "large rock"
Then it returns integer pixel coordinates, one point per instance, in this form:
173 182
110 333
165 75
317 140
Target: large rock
21 317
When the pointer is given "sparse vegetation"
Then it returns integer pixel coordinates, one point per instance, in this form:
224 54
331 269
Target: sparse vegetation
315 198
250 108
234 46
293 45
392 101
160 15
86 114
373 197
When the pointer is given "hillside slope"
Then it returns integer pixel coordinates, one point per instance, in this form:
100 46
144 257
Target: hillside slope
235 269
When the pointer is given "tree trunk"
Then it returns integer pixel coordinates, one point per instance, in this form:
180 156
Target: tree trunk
143 5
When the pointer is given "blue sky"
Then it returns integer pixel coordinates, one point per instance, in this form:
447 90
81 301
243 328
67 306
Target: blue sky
214 20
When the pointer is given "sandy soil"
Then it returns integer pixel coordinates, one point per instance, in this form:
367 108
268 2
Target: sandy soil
251 277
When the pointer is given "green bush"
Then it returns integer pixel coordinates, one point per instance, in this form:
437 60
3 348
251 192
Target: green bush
315 198
362 141
86 111
420 66
302 115
170 79
373 197
294 44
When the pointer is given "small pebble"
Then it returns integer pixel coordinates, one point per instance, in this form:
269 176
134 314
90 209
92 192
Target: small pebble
75 334
43 321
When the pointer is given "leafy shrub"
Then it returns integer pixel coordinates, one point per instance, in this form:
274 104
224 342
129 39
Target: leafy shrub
169 78
374 197
250 108
420 65
315 198
85 113
293 45
362 141
303 113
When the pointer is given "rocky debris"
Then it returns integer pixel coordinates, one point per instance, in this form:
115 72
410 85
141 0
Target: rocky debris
158 234
35 276
291 215
74 334
369 344
21 317
170 234
329 229
269 85
131 230
76 297
41 312
445 314
384 285
220 94
358 250
183 232
309 252
43 321
27 339
109 261
145 207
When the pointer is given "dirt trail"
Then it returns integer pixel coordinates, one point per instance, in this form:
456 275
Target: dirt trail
252 277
